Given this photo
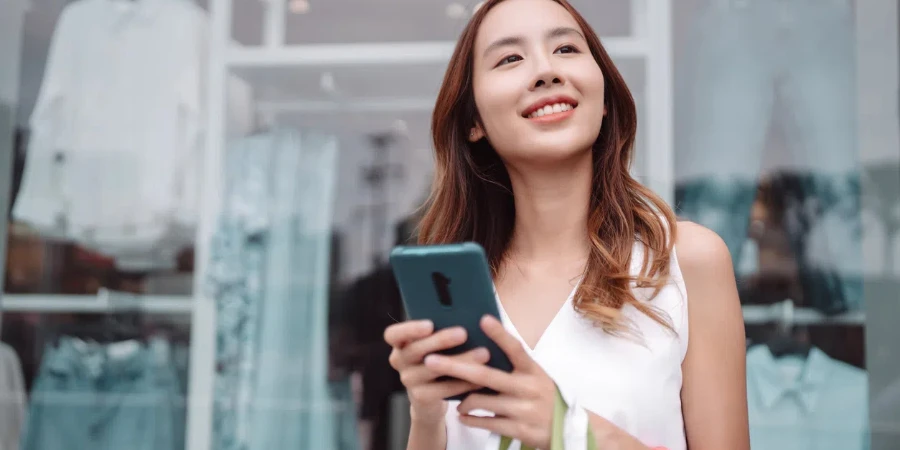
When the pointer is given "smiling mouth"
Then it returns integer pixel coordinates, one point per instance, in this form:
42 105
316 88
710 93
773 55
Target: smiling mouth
551 110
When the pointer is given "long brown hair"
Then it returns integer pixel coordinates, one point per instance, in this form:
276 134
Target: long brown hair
471 196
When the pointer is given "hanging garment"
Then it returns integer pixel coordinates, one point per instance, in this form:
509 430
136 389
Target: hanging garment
293 407
747 54
93 396
367 307
269 273
12 398
117 128
816 404
822 219
236 271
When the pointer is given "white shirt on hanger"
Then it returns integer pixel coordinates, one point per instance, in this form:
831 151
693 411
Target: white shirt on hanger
812 404
116 132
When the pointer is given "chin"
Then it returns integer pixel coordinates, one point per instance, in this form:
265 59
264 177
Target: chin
546 150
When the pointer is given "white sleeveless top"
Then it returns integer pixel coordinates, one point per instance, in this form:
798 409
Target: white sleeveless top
632 383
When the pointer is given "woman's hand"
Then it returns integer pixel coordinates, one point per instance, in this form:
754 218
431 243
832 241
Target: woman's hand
524 405
412 341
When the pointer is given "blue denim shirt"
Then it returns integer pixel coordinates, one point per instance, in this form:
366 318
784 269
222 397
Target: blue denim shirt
269 277
90 397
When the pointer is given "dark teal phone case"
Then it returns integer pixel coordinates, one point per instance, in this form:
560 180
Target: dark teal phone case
450 285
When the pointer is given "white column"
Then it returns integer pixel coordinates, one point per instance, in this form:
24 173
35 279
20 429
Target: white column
203 324
660 146
639 19
274 25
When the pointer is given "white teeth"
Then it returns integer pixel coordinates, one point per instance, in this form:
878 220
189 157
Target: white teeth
551 109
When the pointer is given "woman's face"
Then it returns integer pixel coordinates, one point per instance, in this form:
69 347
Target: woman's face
538 89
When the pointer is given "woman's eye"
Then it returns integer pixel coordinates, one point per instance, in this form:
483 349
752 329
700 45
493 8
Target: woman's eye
509 60
567 49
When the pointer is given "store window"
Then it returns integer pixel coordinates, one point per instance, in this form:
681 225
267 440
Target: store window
786 145
201 197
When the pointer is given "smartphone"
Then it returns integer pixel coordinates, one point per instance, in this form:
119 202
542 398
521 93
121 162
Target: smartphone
450 285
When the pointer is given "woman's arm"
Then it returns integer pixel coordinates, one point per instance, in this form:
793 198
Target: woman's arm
714 390
426 435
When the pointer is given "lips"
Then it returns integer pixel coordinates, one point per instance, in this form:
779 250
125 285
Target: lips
550 105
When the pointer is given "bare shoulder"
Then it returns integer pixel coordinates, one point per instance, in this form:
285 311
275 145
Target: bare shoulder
701 252
714 391
706 269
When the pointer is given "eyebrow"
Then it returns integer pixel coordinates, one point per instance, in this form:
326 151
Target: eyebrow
518 40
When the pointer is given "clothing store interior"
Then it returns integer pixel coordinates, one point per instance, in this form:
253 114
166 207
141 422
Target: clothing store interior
201 197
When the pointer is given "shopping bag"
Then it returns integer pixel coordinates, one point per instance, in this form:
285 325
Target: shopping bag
557 442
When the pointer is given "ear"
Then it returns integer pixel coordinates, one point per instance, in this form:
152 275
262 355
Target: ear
476 133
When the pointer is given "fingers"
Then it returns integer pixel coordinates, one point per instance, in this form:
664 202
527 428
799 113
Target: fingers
444 339
419 374
520 424
500 425
478 374
400 334
513 348
433 392
501 405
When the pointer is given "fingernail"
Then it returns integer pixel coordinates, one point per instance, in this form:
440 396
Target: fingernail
427 325
431 360
482 353
458 333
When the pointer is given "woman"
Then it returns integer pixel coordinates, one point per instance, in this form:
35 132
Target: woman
533 132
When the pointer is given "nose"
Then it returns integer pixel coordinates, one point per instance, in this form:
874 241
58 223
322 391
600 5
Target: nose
543 81
546 75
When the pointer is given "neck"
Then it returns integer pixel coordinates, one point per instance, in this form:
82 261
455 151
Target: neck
552 207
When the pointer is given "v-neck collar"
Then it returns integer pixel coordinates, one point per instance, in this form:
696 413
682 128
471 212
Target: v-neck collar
511 327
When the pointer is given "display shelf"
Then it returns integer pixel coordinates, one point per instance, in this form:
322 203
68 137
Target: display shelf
764 314
55 303
375 105
384 53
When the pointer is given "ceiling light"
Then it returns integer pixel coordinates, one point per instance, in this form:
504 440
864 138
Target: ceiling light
455 11
400 127
327 83
299 6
